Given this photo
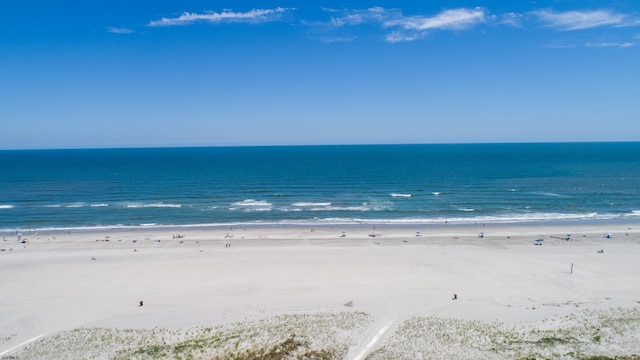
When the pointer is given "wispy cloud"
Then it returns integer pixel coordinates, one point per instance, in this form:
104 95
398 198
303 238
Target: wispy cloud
356 17
253 16
610 44
417 27
571 44
579 20
511 18
391 25
346 18
403 28
115 30
456 19
341 21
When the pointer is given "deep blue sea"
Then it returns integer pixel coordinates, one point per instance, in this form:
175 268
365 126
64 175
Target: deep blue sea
390 184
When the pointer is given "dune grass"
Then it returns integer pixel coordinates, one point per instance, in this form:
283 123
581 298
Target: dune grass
587 335
314 336
592 335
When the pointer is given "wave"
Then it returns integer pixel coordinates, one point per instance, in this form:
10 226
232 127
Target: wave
550 194
75 205
251 209
306 204
498 219
400 195
251 205
367 206
251 202
152 205
6 206
436 193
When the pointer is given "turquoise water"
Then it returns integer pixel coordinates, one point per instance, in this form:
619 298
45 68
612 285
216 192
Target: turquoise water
423 184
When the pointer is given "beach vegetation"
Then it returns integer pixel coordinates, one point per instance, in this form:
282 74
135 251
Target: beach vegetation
7 338
587 335
320 336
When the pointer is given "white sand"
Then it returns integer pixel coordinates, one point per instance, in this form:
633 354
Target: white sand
50 285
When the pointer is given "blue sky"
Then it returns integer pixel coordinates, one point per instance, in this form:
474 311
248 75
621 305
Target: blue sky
216 73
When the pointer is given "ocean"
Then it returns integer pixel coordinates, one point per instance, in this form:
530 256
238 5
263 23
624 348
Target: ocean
346 184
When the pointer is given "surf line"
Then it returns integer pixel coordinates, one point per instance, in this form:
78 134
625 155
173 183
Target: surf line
373 341
20 345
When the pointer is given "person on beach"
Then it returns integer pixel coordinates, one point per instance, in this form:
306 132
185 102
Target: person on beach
141 303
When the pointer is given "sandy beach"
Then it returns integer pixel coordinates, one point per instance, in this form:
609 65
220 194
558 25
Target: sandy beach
56 282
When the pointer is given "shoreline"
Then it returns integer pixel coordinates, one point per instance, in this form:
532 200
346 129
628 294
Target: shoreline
608 223
57 282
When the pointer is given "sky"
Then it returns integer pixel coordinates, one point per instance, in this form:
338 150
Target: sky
86 74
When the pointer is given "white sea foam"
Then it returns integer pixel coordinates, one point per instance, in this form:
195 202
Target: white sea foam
507 219
350 208
306 204
152 205
99 205
467 209
504 219
436 193
162 205
292 209
400 195
550 194
75 205
53 206
250 205
6 206
251 202
251 209
331 207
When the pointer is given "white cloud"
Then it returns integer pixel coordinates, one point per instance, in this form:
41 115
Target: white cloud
456 19
511 18
114 30
399 36
374 14
611 44
403 28
578 20
338 39
253 16
332 30
589 44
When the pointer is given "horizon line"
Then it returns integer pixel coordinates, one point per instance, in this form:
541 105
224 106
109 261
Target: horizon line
316 145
